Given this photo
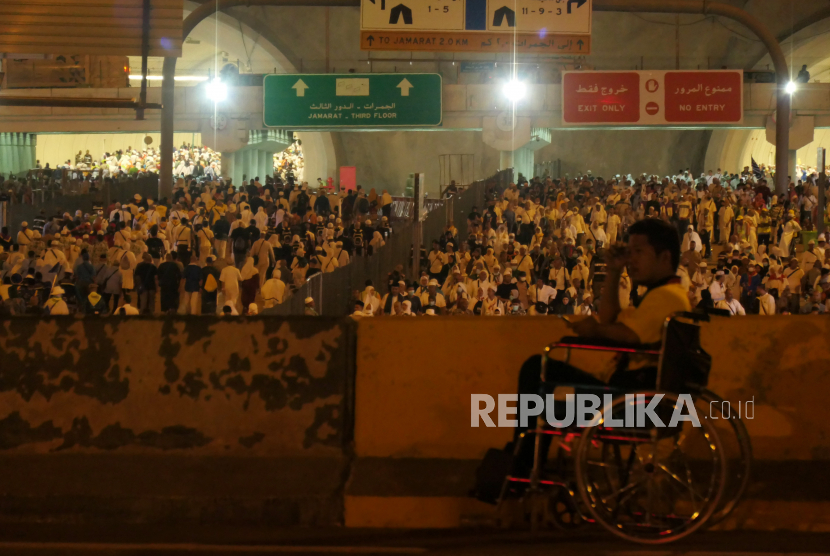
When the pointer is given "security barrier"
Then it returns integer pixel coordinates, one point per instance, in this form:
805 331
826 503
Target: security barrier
190 418
322 421
415 377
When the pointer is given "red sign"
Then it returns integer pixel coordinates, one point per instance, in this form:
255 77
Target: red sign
348 178
704 96
652 98
601 97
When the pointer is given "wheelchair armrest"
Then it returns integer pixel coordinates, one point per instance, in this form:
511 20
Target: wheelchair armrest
601 344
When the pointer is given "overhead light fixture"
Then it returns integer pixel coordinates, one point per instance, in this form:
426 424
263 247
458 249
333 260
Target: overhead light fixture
216 90
515 90
790 87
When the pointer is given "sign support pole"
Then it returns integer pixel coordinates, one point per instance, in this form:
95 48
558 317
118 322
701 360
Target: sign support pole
822 185
416 228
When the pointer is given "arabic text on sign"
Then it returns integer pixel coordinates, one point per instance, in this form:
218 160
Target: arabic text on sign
604 91
708 91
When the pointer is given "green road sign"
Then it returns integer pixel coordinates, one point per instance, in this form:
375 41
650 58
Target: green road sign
372 100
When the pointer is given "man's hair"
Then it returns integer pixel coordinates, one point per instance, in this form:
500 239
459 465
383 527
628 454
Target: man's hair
661 235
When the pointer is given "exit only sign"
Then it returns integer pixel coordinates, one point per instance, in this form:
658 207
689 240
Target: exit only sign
300 101
643 98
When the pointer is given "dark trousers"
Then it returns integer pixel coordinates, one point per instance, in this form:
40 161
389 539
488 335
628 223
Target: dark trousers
704 239
682 226
209 302
111 296
556 374
169 299
795 303
763 239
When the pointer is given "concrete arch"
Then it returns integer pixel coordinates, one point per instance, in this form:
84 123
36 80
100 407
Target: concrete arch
810 44
318 147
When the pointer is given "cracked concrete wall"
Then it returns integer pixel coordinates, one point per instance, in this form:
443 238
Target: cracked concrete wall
262 387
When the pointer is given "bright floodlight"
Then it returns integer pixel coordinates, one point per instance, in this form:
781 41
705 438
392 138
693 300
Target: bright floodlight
515 90
216 90
790 88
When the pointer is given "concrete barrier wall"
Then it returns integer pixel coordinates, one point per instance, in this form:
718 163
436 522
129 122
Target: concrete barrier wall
415 377
205 411
296 421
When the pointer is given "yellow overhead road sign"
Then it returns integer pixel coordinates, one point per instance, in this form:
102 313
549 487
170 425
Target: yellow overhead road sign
558 26
98 27
474 42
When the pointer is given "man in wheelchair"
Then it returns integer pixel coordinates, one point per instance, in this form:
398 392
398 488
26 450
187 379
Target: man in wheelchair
651 257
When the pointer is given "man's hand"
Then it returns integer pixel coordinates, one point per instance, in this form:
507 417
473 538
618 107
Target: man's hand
616 258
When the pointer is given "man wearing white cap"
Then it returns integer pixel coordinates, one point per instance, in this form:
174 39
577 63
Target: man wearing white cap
821 247
309 308
717 289
766 303
55 305
24 236
432 297
809 257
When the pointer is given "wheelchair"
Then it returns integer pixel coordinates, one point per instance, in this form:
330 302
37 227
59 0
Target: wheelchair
644 484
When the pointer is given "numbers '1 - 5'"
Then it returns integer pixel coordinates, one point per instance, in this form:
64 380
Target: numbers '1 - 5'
445 10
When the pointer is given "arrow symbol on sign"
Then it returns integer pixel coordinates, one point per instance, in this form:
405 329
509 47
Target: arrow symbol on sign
370 39
300 87
578 3
404 86
580 43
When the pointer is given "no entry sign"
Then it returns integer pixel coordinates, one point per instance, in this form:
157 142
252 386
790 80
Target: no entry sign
652 98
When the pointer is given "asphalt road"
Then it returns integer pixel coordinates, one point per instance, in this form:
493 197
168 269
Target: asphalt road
204 541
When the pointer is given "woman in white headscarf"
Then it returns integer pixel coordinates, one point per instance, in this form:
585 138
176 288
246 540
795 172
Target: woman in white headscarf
230 278
371 299
273 290
261 219
407 309
376 243
249 284
791 227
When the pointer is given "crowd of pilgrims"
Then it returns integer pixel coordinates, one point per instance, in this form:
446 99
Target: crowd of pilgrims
210 249
189 162
538 248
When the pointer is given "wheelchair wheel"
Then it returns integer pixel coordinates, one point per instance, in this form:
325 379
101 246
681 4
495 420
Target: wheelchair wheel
737 450
650 484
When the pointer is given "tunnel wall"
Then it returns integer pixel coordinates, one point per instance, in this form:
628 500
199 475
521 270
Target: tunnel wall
609 152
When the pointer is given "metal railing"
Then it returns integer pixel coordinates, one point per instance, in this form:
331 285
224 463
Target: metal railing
51 196
334 292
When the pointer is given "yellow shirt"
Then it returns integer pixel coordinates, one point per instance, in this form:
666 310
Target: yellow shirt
648 318
659 304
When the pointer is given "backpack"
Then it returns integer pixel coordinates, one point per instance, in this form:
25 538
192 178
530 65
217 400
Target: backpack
210 283
125 262
240 244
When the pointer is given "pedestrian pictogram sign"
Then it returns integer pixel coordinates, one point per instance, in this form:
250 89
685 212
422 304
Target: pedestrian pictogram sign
406 22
